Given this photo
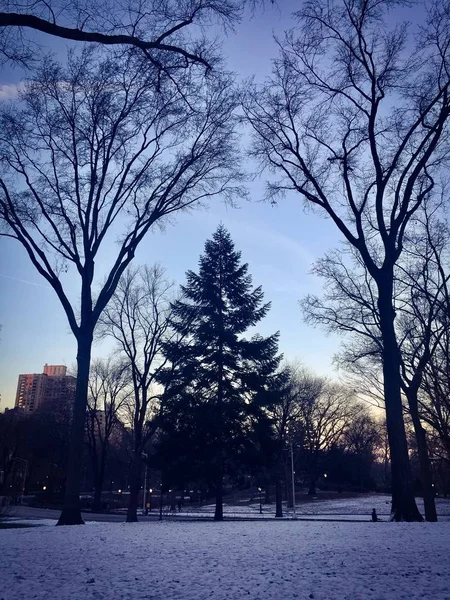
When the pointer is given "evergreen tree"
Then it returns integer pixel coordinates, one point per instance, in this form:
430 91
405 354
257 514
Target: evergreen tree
217 380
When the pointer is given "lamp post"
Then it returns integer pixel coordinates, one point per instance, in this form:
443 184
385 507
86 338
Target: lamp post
260 501
294 516
144 494
150 491
160 502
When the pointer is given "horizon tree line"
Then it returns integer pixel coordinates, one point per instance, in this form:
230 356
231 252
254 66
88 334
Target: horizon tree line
161 388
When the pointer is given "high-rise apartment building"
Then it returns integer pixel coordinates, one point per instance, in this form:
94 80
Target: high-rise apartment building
30 389
60 370
53 387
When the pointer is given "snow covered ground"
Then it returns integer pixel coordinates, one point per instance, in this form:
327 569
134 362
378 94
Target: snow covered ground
261 560
359 508
363 505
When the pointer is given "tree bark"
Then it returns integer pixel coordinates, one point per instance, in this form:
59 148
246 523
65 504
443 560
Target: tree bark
445 439
424 459
218 514
97 497
278 498
71 512
404 506
135 486
312 487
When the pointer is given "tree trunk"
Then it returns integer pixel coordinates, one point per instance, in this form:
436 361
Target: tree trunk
424 459
278 498
71 512
426 475
218 514
101 478
313 471
312 487
98 482
404 506
135 486
97 497
95 471
445 439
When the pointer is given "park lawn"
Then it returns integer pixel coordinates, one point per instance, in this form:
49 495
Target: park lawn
229 560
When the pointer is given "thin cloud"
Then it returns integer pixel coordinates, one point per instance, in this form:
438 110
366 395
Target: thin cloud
10 91
47 287
268 237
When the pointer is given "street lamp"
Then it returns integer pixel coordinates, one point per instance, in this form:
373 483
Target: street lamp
291 447
144 493
260 501
294 516
150 491
160 501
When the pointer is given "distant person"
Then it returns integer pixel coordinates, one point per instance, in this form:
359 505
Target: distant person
374 516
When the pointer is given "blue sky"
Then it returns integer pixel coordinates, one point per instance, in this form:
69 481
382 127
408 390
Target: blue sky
279 243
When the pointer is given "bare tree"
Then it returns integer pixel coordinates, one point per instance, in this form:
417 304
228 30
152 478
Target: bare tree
312 413
435 384
154 28
295 385
363 439
435 394
356 124
363 434
103 150
138 318
422 323
323 420
108 392
350 306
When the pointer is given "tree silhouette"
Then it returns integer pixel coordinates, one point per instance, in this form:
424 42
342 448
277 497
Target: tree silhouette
138 319
355 123
102 150
109 388
155 29
349 305
216 376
